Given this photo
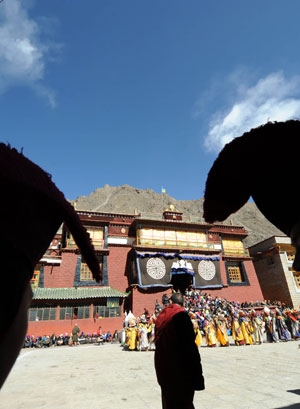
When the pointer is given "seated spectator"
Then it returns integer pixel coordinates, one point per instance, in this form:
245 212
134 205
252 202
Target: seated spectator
39 342
27 342
60 340
108 337
53 339
115 337
46 341
66 339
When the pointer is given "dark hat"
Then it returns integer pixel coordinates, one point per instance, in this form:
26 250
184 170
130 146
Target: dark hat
32 210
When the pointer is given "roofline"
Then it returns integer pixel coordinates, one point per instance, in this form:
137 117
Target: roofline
121 294
107 214
268 238
182 222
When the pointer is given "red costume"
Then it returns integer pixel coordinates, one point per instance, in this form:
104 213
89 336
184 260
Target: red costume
177 359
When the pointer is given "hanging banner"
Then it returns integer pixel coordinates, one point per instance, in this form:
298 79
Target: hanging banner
156 269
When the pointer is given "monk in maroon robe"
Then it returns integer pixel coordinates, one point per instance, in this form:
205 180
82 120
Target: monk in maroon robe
177 359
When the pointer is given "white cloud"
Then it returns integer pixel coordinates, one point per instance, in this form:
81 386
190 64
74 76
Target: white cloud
273 98
23 55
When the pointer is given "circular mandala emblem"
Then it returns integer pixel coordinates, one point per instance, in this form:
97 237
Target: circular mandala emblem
206 269
156 268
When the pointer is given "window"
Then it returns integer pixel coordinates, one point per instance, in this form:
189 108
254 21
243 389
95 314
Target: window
112 302
234 248
34 282
41 314
96 235
172 238
106 312
85 273
234 273
296 275
76 312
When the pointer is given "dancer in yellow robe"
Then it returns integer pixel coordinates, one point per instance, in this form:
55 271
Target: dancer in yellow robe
210 332
131 335
237 334
222 335
246 328
198 339
258 328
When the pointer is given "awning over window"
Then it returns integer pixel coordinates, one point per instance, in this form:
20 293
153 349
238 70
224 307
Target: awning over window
76 294
155 269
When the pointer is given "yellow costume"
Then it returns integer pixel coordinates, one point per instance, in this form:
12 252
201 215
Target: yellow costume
257 325
237 334
210 334
247 330
131 336
222 335
198 339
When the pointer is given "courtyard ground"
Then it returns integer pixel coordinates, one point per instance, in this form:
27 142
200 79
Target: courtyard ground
107 377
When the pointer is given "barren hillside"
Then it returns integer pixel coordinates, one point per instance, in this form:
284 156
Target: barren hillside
127 199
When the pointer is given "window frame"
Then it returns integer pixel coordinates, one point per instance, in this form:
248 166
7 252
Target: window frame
74 312
244 277
44 313
102 310
296 281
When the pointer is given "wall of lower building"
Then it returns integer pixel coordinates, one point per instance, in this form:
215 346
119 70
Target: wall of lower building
142 299
239 293
118 267
41 328
272 279
292 287
61 276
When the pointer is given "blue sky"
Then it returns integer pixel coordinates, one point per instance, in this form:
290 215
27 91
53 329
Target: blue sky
142 93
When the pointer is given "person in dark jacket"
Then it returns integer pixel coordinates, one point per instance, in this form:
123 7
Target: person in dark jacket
177 359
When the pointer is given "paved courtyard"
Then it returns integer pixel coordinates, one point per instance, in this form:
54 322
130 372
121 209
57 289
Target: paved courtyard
107 377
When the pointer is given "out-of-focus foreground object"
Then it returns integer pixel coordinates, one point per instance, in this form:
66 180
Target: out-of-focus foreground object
264 164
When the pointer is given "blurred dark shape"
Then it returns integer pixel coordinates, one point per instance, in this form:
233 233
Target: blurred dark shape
264 164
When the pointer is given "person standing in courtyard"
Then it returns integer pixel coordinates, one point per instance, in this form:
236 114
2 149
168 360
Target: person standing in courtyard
177 359
75 332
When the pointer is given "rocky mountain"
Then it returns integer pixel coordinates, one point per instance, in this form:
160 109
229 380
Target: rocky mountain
149 204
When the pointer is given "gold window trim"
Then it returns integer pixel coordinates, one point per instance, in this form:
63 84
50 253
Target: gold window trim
234 273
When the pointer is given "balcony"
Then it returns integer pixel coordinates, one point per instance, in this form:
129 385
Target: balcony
236 252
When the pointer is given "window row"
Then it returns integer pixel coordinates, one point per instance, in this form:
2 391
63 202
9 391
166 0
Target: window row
96 235
234 248
172 238
73 312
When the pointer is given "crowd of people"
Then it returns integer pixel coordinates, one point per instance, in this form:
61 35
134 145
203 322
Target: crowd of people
72 339
216 319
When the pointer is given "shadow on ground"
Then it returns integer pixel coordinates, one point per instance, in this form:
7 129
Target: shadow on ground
296 391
